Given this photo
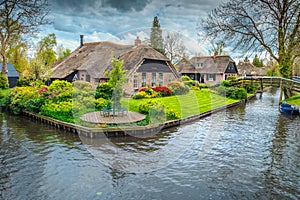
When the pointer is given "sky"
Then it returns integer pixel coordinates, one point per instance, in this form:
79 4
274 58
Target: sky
122 20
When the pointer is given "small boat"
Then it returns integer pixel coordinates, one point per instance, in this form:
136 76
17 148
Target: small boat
288 109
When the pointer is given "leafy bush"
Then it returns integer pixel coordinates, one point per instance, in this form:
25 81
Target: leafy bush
231 78
3 81
83 85
232 92
18 97
157 113
104 90
172 114
60 85
140 95
61 110
225 83
101 103
144 107
186 78
60 91
251 89
178 88
163 91
34 105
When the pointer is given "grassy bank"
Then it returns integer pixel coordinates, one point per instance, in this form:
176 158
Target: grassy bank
194 102
294 100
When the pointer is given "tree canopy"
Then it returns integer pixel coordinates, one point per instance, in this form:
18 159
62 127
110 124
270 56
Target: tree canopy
19 18
258 25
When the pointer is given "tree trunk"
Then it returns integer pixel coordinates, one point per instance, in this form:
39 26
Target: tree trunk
4 64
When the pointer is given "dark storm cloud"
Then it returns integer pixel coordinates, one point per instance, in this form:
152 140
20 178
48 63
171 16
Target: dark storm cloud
126 5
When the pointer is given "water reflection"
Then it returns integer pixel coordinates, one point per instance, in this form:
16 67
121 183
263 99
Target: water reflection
247 152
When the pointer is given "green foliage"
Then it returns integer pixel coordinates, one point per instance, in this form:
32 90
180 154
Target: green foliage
186 78
157 113
101 103
178 88
156 39
147 92
82 85
140 95
251 89
232 92
61 110
34 105
104 90
144 107
225 83
3 81
257 62
172 114
19 96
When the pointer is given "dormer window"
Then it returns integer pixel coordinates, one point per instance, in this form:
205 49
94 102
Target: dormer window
200 65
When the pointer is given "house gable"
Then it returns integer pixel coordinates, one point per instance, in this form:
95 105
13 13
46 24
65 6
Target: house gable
231 68
151 65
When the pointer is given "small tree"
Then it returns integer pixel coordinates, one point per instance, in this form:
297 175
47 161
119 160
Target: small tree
156 39
117 78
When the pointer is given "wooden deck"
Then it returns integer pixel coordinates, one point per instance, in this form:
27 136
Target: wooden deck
97 118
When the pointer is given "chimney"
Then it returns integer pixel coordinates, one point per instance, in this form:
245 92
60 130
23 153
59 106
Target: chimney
137 41
81 41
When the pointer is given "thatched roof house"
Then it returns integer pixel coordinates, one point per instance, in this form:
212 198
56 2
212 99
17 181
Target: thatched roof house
144 65
248 69
208 69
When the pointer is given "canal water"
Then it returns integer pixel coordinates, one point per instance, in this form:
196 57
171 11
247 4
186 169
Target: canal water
246 152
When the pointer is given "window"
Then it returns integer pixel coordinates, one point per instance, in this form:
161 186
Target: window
135 81
200 65
211 77
153 79
97 80
88 78
160 79
144 79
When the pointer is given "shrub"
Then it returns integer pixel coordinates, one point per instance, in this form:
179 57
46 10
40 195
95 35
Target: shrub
144 107
157 113
185 78
104 90
3 81
251 89
140 95
101 103
60 91
232 92
195 88
231 78
225 83
172 114
60 85
178 88
18 97
61 110
34 105
163 91
83 85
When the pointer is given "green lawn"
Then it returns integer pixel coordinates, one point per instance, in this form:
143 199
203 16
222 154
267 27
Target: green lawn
195 102
294 100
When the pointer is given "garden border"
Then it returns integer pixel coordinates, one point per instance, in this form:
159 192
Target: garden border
122 131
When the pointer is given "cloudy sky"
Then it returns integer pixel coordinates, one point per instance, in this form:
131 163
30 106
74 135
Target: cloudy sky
122 20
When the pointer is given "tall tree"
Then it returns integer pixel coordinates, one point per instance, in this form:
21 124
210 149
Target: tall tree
174 47
19 18
217 48
257 62
17 55
62 52
156 39
46 52
258 25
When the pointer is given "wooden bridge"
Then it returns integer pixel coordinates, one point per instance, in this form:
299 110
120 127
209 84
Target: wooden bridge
288 87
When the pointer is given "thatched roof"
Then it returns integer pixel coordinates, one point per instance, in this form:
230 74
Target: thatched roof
95 58
211 64
248 68
185 66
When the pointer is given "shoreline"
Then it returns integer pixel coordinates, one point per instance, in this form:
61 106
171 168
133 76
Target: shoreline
123 131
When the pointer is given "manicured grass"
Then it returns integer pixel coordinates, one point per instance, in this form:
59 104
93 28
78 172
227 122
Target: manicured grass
294 100
195 102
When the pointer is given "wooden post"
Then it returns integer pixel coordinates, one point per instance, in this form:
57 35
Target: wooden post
261 85
281 92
